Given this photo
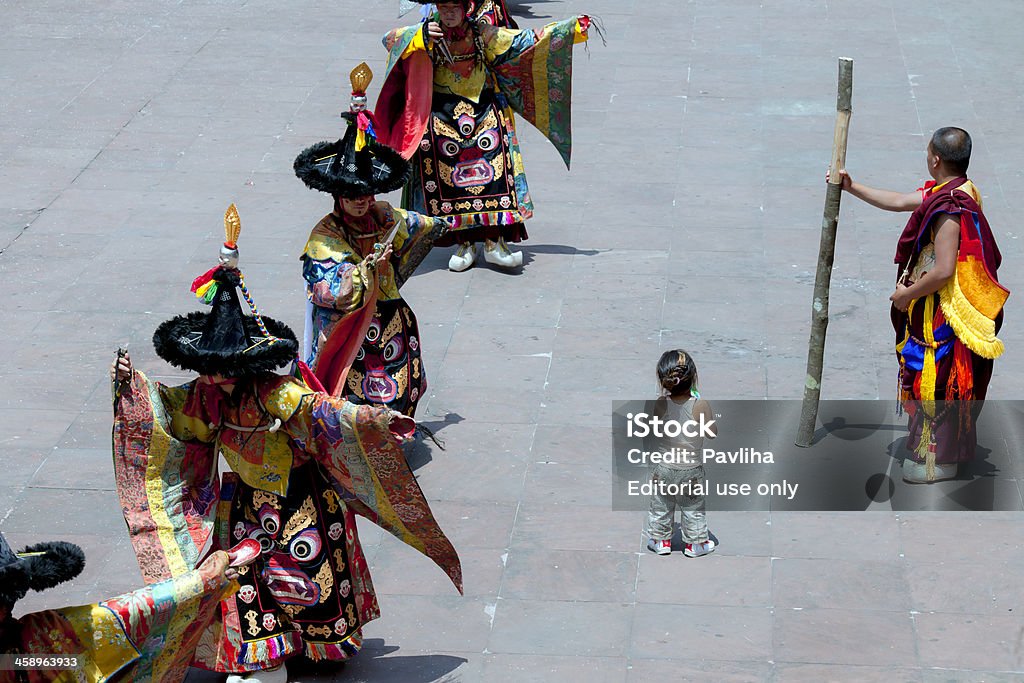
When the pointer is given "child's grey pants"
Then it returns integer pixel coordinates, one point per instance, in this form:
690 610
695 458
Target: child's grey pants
662 513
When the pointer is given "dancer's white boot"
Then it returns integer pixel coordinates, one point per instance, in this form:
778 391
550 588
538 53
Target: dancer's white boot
498 254
463 257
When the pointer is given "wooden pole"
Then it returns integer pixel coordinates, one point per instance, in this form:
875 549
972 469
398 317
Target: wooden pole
826 255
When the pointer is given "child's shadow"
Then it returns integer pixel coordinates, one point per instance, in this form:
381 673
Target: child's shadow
679 544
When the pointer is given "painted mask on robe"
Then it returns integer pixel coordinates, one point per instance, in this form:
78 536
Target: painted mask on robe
385 360
469 146
295 570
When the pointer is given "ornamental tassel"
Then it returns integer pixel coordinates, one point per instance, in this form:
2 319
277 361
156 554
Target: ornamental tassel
330 652
205 287
901 394
364 130
926 447
267 650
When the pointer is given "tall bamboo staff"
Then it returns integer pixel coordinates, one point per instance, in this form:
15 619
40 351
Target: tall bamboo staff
826 255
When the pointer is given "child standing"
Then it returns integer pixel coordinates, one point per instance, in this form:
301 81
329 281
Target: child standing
680 401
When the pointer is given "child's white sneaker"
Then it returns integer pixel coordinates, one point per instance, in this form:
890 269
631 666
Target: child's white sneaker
699 549
660 547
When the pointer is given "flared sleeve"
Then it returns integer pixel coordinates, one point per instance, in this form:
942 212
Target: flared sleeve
149 634
168 486
414 240
533 70
356 446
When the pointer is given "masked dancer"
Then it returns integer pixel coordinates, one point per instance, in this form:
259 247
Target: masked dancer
303 463
452 85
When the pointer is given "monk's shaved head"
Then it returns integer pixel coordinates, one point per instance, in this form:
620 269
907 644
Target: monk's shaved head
953 147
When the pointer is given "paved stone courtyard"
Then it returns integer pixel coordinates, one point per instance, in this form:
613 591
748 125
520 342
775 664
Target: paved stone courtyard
690 218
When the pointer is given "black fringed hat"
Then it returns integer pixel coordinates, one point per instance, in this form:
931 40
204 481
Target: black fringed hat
357 165
225 341
37 567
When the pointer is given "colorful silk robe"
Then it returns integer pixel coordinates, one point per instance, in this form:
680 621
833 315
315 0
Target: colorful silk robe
145 635
946 342
456 122
362 339
296 456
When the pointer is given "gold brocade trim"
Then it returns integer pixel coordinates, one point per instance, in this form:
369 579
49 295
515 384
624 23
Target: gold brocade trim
446 173
498 164
107 645
303 518
464 108
326 244
443 128
325 580
261 498
489 121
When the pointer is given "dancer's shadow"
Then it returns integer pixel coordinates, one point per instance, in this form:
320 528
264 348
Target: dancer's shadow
420 450
376 663
438 257
530 249
524 10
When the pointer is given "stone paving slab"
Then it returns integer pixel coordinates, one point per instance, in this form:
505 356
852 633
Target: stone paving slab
690 218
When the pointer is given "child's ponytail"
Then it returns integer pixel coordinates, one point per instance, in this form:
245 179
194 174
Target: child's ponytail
677 373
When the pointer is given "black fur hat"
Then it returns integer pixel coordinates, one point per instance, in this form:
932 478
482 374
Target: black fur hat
225 341
338 169
37 567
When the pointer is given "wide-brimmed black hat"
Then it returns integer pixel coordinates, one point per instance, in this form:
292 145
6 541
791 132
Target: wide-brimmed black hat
338 169
358 164
225 341
37 568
